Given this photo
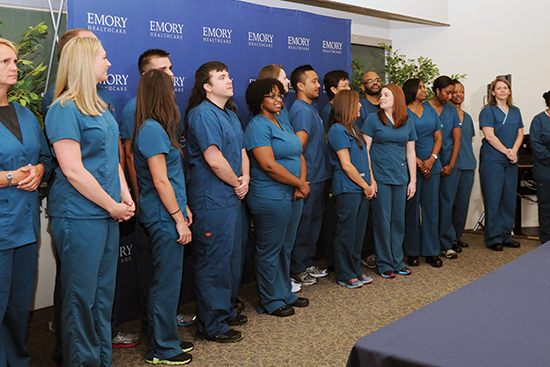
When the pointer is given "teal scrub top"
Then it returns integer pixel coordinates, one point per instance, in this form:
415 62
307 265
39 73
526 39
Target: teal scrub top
466 157
287 150
304 116
388 149
102 92
152 140
98 139
19 209
506 128
127 121
449 120
425 127
211 125
539 132
366 109
325 115
339 138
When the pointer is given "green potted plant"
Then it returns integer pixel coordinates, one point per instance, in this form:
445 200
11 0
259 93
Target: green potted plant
29 79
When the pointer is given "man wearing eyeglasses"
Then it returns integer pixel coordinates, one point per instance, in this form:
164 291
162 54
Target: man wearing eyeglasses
371 85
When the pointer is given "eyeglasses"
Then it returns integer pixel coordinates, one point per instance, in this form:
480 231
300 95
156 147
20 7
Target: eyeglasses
370 81
275 96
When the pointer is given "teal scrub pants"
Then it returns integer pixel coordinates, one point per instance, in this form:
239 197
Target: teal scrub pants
88 253
462 201
167 259
217 241
305 247
423 240
499 186
352 211
447 192
17 271
388 210
275 226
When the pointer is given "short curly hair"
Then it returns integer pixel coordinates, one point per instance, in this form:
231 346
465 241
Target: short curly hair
257 90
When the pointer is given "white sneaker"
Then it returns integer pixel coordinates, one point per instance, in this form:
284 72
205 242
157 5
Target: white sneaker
296 287
317 272
449 254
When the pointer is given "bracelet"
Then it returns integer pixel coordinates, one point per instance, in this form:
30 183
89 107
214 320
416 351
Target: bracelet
176 212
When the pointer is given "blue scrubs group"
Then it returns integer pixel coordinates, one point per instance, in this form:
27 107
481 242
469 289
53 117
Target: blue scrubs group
218 215
20 223
167 254
305 117
352 207
539 132
497 174
466 163
448 185
85 236
423 240
390 170
276 214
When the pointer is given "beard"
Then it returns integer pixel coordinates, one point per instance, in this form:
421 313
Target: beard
372 92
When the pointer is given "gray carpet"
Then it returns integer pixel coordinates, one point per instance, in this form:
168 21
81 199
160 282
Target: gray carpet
323 333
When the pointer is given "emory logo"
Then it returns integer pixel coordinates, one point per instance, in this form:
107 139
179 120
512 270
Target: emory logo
216 35
260 39
178 83
125 253
165 30
116 83
298 43
332 47
106 23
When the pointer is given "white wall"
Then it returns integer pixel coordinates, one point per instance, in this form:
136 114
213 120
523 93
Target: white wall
488 38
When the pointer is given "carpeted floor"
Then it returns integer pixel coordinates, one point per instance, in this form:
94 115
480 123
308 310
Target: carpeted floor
323 333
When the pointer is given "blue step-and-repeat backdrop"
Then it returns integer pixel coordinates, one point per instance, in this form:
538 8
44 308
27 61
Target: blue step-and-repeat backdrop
242 35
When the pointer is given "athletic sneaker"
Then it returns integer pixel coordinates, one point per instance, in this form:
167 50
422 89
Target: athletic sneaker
365 279
296 287
123 340
317 272
404 271
185 320
449 254
180 359
388 274
304 278
369 261
352 283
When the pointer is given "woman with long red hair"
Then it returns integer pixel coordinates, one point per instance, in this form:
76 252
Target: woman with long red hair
390 142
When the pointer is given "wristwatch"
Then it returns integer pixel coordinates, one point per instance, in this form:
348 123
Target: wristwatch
434 155
9 176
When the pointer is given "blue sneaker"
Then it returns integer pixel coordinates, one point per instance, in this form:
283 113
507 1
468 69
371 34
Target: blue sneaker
404 271
365 279
352 283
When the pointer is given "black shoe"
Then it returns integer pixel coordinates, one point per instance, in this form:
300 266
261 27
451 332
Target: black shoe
284 311
239 306
186 346
456 247
413 260
496 247
462 244
180 359
301 302
512 243
240 320
230 336
434 261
